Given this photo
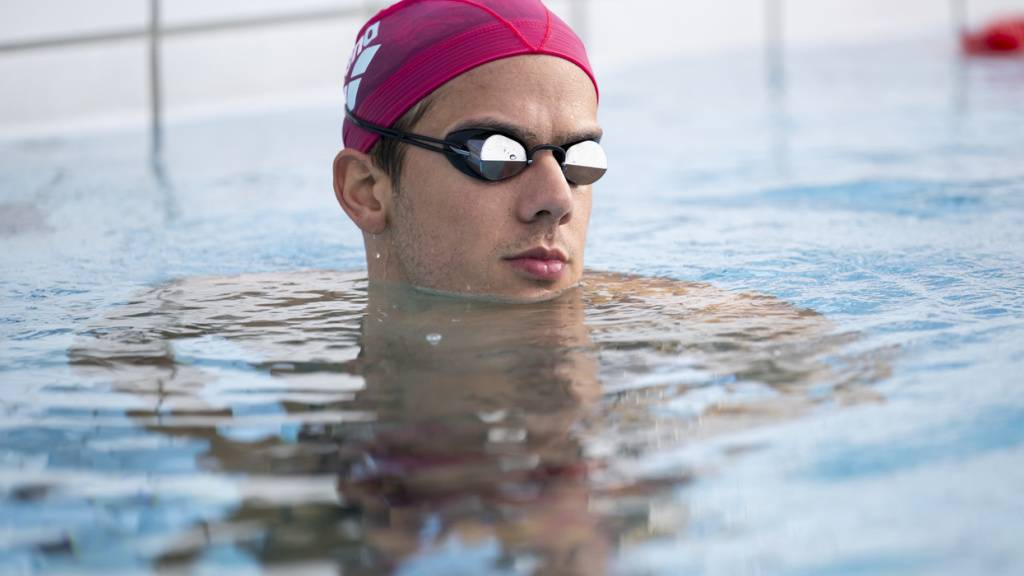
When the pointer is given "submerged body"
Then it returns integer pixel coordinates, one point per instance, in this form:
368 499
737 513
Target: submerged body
490 421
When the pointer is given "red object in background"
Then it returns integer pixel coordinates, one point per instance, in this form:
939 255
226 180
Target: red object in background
1002 37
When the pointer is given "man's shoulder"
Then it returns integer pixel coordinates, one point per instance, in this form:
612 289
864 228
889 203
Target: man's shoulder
683 296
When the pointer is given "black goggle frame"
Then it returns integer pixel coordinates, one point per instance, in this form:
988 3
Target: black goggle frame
456 146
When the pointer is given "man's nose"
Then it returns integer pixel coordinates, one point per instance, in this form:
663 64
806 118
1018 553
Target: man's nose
547 194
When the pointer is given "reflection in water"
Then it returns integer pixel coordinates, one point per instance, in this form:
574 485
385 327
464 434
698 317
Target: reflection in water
378 428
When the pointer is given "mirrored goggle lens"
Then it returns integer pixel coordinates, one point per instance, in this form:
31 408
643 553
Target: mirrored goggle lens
585 163
497 157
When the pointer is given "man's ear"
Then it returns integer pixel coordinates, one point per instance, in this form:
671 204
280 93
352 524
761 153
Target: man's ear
363 190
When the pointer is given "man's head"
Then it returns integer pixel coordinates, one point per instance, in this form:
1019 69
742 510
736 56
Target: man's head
456 224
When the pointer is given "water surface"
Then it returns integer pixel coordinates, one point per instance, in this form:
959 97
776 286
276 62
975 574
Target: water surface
804 360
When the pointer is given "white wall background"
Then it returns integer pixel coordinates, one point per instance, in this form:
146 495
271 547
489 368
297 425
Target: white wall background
58 89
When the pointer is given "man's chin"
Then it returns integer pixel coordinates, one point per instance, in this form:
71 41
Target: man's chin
506 286
523 296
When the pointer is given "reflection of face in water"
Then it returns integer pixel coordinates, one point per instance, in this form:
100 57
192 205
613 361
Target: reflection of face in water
438 422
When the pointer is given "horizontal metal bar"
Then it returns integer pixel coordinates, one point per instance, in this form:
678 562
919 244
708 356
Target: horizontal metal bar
186 29
79 39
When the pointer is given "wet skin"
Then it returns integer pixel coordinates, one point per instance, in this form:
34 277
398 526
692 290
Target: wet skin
519 239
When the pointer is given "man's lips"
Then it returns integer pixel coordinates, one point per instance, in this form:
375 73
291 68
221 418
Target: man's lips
540 263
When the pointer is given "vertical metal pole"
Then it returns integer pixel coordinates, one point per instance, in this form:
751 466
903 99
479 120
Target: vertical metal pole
155 95
578 18
959 8
774 59
773 41
156 116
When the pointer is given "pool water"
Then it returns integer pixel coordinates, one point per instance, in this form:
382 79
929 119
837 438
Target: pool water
798 350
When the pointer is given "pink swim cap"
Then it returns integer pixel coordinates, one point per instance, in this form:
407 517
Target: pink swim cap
410 49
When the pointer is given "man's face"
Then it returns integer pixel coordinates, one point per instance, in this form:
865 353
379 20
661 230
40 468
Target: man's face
520 238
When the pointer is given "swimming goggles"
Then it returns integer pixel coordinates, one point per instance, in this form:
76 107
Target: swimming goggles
487 154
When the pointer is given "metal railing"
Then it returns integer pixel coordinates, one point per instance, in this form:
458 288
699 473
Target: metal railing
774 35
156 31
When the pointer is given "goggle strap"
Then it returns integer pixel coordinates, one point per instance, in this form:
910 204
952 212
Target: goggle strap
427 142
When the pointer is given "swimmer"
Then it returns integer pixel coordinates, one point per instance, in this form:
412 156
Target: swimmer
471 147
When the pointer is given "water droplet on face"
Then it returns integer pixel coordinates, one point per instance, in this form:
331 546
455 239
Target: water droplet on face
434 338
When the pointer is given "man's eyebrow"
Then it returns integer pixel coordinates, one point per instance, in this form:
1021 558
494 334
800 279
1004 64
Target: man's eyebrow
526 135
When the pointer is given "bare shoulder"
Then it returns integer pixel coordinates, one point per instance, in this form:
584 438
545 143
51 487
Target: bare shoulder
745 338
698 302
